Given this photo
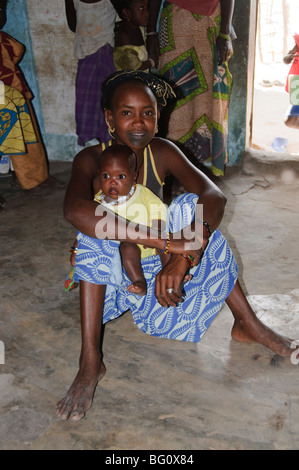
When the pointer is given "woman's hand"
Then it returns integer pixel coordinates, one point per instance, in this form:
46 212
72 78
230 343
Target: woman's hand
172 275
169 280
225 49
175 267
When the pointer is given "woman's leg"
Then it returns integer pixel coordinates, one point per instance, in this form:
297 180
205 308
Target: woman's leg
91 367
249 329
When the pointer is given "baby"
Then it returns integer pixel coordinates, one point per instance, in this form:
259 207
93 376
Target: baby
115 187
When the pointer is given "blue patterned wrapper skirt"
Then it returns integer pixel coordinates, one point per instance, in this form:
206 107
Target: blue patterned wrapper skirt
99 262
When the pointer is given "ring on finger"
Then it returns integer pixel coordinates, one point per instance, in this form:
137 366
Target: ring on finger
169 291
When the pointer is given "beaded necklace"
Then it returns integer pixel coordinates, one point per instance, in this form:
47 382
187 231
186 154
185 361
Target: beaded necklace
119 200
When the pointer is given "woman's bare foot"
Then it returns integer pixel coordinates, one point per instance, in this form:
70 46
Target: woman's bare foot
248 328
260 333
138 287
80 395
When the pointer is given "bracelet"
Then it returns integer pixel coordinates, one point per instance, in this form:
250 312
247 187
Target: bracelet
166 246
152 33
152 63
224 36
207 227
73 249
189 258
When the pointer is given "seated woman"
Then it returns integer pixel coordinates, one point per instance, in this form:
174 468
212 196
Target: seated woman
132 101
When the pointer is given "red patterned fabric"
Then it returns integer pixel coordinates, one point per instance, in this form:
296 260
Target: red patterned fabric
204 7
11 52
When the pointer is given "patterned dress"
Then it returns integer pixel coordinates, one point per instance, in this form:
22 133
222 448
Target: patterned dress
16 129
30 164
189 62
98 262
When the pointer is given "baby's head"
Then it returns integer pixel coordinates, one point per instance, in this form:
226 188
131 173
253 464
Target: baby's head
118 171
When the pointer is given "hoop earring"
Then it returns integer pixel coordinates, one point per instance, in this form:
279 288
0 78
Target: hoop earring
111 130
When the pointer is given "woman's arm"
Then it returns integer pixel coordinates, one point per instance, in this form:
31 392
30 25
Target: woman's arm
95 220
71 15
152 42
227 11
170 160
154 9
290 55
224 44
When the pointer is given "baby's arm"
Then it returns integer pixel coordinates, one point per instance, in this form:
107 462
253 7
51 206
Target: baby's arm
290 55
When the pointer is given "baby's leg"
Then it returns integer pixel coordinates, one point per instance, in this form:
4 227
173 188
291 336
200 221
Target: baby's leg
131 259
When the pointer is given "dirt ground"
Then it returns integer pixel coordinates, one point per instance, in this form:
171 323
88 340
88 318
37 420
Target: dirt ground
157 394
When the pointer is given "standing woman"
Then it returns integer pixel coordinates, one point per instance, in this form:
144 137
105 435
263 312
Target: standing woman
93 22
195 47
132 101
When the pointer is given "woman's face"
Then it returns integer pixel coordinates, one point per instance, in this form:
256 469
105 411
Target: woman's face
134 115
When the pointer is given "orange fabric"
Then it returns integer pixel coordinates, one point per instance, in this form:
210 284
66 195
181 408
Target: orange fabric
31 168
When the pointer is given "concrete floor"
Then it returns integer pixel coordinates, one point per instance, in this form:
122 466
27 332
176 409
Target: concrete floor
157 394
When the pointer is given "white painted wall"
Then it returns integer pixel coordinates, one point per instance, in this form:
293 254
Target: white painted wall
52 43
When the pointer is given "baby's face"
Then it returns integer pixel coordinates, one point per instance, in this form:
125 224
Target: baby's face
116 177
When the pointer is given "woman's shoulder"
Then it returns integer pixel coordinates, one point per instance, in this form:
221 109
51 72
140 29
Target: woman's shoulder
159 141
164 147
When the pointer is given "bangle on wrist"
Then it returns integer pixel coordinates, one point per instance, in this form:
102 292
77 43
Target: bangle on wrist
207 228
152 63
224 36
152 33
166 245
189 258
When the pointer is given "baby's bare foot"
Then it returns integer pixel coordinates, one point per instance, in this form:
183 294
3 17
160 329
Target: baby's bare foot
138 287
